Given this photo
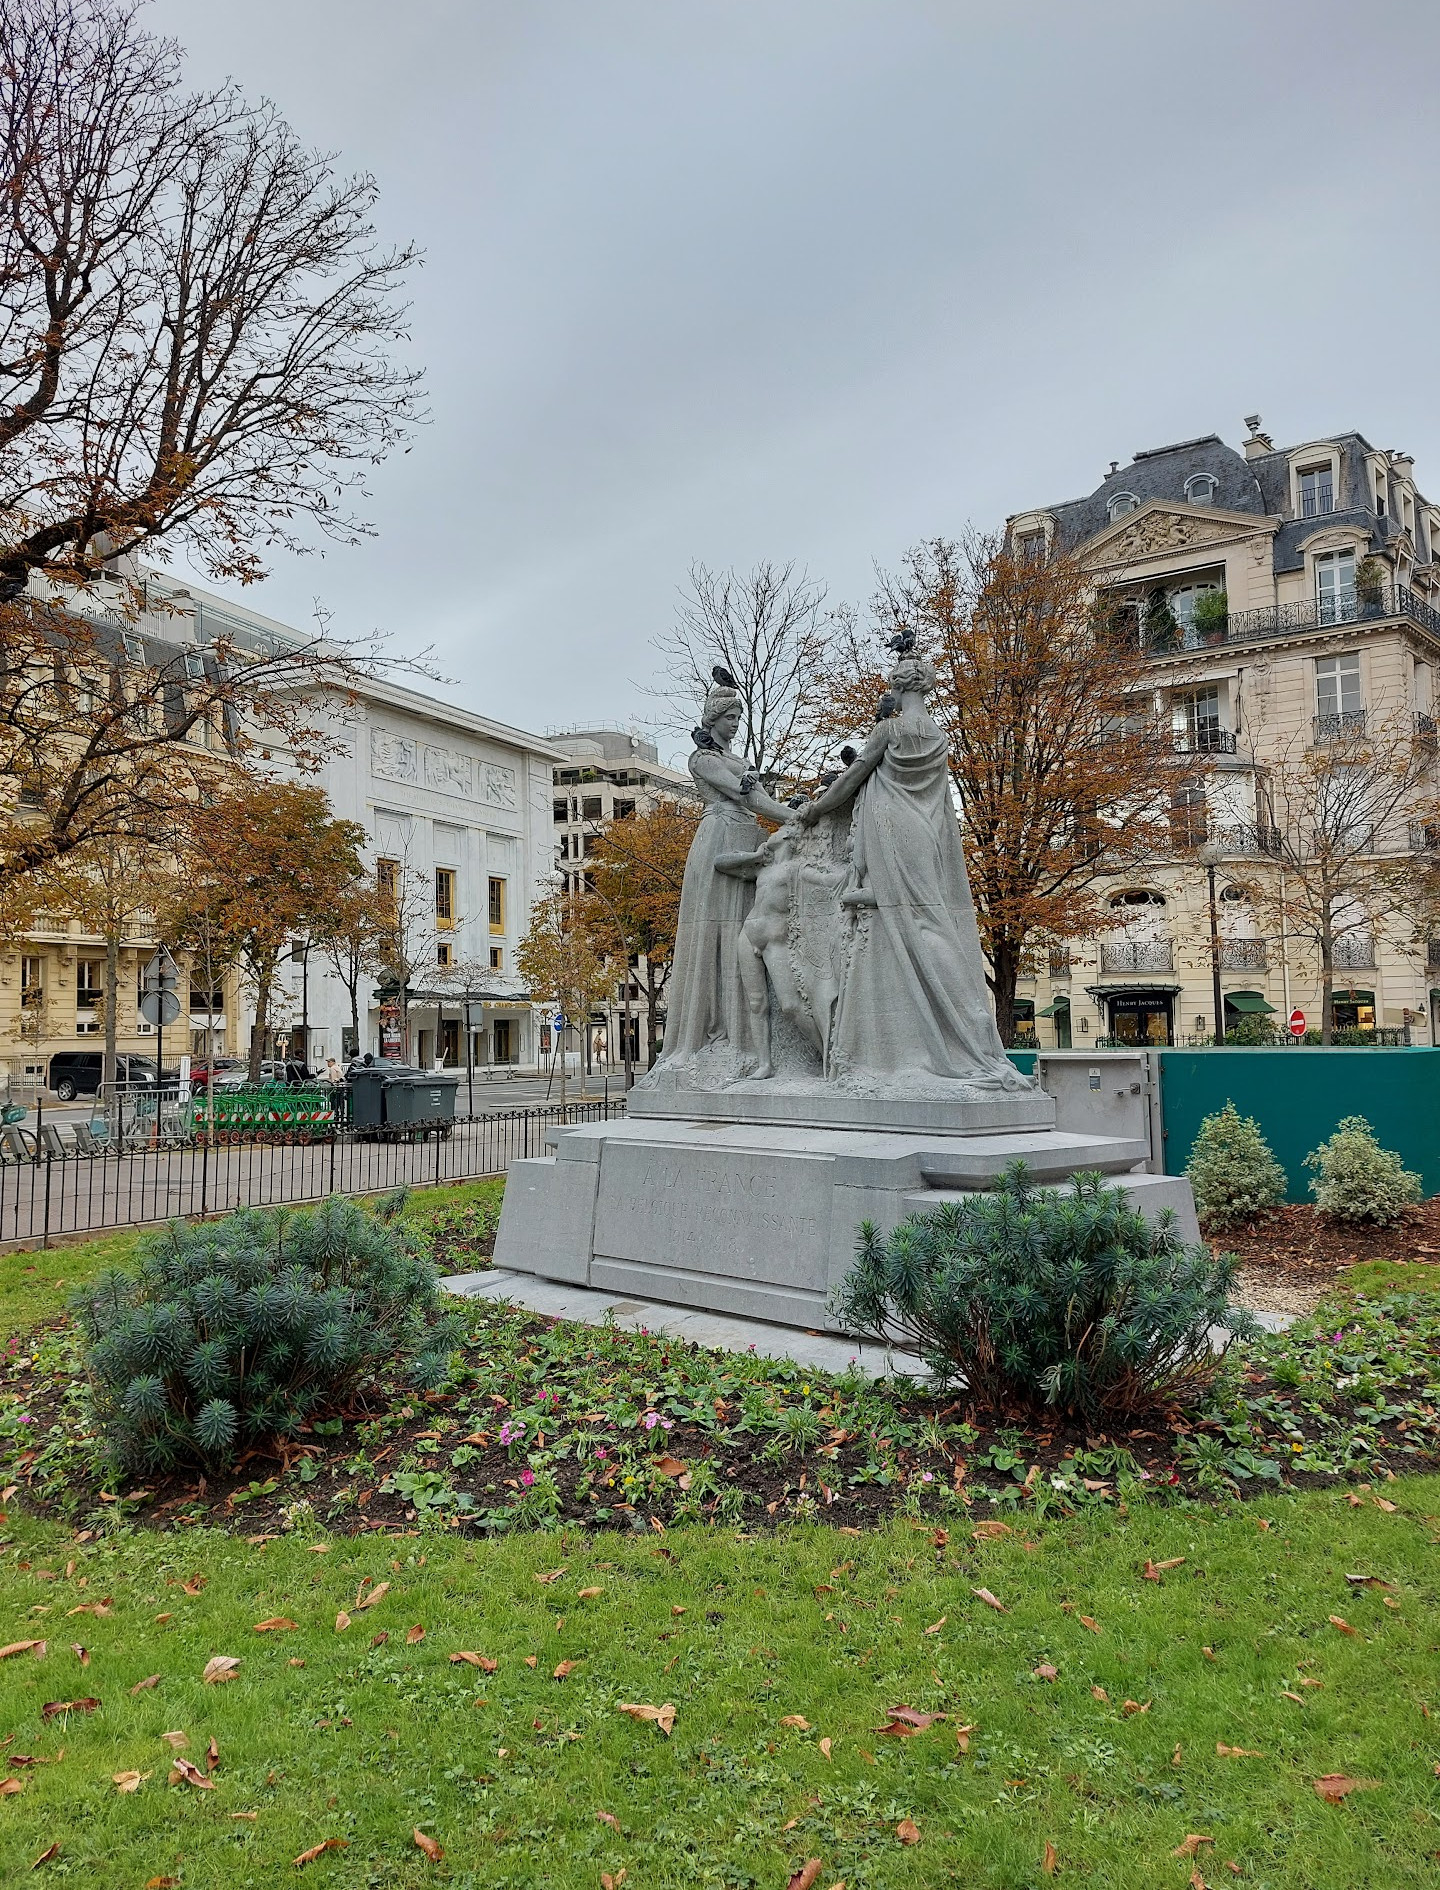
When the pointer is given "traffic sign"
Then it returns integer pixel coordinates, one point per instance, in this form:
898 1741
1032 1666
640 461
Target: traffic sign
1297 1023
560 1021
160 999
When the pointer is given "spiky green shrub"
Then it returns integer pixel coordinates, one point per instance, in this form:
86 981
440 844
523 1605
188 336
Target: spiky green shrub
1357 1180
1040 1296
1231 1169
234 1332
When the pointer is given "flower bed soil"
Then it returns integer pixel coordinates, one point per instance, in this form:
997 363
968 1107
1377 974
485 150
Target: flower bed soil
1301 1247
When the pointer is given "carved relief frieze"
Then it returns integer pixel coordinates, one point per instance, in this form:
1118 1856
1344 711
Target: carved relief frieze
500 786
447 771
393 757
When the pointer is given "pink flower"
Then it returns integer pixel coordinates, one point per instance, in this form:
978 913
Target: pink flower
652 1418
527 1477
926 1477
602 1452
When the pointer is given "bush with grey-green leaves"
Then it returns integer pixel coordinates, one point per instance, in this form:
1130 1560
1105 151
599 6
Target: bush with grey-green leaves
233 1333
1356 1180
1067 1299
1232 1170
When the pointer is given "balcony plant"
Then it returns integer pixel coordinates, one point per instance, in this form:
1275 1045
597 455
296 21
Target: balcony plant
1212 615
1370 585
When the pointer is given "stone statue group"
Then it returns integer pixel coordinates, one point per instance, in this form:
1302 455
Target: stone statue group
842 949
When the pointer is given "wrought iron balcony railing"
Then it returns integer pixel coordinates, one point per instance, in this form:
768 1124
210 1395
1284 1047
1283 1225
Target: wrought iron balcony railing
1344 725
1432 954
1354 954
1140 954
1242 954
1207 739
1313 613
1059 961
1242 841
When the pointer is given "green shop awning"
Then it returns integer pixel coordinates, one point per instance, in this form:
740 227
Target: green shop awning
1246 1001
1060 1004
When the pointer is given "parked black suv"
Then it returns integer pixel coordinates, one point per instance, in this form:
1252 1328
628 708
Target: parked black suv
77 1072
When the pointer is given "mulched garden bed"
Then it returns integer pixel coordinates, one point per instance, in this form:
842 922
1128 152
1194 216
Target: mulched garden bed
618 1430
1304 1248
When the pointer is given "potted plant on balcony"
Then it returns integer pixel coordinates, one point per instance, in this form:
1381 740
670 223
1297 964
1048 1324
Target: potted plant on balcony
1212 615
1370 586
1162 626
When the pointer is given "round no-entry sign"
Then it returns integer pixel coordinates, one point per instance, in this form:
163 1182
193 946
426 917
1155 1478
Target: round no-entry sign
1297 1023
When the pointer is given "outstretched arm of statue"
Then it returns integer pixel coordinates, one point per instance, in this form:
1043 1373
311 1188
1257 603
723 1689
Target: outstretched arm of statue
849 784
718 772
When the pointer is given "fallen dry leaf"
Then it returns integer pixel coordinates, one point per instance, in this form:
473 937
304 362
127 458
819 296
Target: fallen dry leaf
608 1817
566 1666
908 1831
45 1856
82 1654
662 1716
1236 1752
589 1594
414 1635
319 1850
935 1626
806 1876
140 1686
1133 1706
1344 1626
342 1621
427 1844
550 1575
161 1883
1381 1503
277 1624
1334 1787
1187 1847
195 1584
20 1647
9 1787
187 1772
219 1668
984 1594
129 1781
532 1660
1050 1860
1153 1570
377 1593
607 1882
1046 1672
1286 1694
962 1740
212 1754
1099 1693
797 1720
248 1816
1369 1581
481 1661
52 1709
825 1749
177 1740
987 1531
908 1718
1197 1882
671 1466
1089 1621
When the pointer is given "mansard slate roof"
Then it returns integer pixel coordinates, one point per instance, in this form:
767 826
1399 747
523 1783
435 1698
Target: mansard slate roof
1260 486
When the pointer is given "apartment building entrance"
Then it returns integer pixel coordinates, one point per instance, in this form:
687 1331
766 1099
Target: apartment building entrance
1142 1017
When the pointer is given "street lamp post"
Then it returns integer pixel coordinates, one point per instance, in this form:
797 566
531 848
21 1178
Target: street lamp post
1215 955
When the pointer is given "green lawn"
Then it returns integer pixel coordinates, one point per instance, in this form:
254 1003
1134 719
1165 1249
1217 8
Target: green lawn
325 1734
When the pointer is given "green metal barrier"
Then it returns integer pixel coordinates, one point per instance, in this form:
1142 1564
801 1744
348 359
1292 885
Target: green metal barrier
254 1109
1298 1096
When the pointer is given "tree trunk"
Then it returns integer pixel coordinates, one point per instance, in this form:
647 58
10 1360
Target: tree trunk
264 975
1005 973
1327 985
112 1005
652 1001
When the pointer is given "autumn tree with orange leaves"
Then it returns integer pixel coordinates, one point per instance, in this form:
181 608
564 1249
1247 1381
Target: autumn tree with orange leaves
1062 774
634 871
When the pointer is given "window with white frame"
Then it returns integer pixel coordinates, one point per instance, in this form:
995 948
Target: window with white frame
1337 686
32 980
1195 717
1122 503
1184 598
1335 585
1200 488
1316 488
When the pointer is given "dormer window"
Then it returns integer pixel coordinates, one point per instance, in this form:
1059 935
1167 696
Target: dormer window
1317 490
1200 488
1122 503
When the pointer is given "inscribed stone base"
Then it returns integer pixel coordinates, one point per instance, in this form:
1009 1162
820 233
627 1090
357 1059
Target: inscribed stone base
758 1220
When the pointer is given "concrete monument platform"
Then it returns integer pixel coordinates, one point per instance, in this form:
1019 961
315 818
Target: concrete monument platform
820 1105
760 1221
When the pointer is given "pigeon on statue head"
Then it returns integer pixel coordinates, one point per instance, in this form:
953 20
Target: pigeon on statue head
721 675
902 643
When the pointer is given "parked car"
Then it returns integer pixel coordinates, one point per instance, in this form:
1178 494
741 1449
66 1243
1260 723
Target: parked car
201 1071
288 1070
75 1073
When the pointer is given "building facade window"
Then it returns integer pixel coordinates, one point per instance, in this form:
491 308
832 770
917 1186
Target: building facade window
497 905
444 897
1195 718
1200 488
562 810
32 980
1339 703
387 880
1030 547
1335 585
444 953
1122 503
497 958
1316 486
592 808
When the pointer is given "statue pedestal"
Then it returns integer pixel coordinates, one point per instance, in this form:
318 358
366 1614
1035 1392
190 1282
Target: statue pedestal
760 1217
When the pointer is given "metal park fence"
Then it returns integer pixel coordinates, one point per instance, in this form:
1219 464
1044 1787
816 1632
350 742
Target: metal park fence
49 1188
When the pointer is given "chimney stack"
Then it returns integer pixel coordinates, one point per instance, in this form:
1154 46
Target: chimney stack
1258 444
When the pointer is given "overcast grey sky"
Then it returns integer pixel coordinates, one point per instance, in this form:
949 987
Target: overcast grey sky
813 279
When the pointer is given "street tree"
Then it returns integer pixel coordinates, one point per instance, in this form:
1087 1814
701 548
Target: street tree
269 857
354 936
634 871
1061 775
771 629
1349 827
559 963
